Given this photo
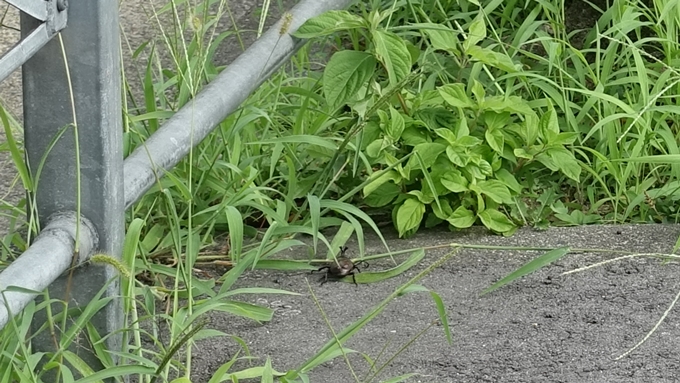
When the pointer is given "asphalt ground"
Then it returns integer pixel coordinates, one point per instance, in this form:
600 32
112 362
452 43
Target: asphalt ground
545 327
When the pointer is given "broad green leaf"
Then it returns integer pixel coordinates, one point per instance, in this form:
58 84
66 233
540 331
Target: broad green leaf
509 180
495 139
492 58
375 148
383 195
425 199
496 221
476 33
413 136
462 128
512 104
396 126
429 189
428 153
446 134
442 37
392 52
455 182
522 153
478 91
496 190
484 167
329 22
564 138
454 95
443 211
530 128
566 162
462 218
529 268
409 215
548 123
391 175
345 74
496 120
456 158
468 141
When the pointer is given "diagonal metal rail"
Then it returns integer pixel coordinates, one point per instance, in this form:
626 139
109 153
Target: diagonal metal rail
219 99
53 16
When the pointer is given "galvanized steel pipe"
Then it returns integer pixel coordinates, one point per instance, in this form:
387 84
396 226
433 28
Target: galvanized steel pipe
48 257
192 123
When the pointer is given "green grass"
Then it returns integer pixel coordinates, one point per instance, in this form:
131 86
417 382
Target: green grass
431 113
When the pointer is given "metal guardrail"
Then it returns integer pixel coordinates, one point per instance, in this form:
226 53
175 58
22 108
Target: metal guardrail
105 194
53 17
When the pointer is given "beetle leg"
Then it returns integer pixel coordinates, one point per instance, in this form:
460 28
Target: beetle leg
324 279
354 279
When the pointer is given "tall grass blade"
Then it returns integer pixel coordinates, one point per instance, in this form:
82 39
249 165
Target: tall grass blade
529 268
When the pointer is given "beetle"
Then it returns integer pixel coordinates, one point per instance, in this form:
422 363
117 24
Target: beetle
341 267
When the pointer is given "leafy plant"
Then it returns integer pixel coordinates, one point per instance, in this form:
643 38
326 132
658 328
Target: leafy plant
468 148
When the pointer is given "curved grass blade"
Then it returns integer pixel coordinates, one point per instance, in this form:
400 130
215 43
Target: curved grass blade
529 268
315 217
341 237
401 378
441 309
267 375
345 207
250 373
377 276
117 371
284 265
235 223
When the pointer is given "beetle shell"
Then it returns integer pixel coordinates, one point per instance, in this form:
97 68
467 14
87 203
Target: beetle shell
343 267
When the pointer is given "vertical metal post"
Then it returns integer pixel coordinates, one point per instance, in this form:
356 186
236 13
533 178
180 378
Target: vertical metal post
91 43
